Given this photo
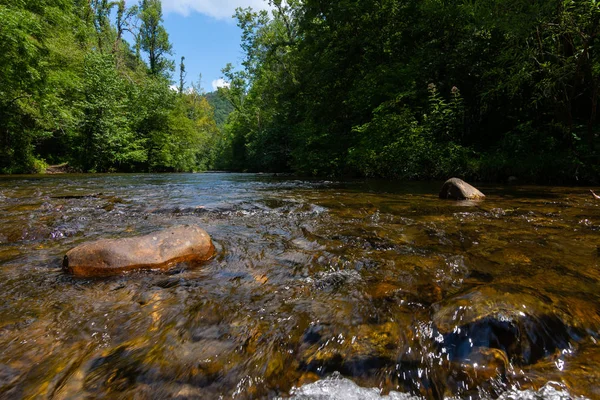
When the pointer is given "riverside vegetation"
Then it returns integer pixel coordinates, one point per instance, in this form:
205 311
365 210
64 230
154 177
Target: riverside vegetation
72 89
399 89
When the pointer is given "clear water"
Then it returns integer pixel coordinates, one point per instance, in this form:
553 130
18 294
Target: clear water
320 289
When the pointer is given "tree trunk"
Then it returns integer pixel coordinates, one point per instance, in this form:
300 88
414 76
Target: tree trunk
592 119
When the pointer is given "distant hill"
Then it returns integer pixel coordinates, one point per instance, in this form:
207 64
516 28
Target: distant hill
222 107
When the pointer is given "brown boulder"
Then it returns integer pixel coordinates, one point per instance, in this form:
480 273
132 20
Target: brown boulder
159 250
458 189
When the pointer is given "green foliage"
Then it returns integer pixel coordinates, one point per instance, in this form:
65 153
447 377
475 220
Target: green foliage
369 88
73 90
154 38
23 77
348 87
106 142
189 142
222 108
258 132
396 145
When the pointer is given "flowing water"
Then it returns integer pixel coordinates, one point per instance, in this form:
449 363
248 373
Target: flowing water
319 290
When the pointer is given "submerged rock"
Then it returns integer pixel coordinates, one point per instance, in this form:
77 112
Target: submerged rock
523 323
360 351
458 189
159 250
484 369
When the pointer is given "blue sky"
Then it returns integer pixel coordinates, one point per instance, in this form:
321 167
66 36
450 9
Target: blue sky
205 34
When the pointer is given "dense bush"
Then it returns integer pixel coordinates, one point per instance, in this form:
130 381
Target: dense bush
372 88
73 90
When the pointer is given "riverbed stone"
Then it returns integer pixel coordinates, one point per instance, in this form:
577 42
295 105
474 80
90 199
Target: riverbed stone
458 189
158 250
360 351
483 369
520 321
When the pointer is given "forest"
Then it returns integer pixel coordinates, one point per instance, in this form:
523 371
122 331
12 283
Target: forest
73 90
394 89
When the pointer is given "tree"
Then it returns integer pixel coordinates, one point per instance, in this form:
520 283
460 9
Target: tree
182 75
24 31
107 141
351 87
154 38
259 94
101 19
73 90
124 23
324 84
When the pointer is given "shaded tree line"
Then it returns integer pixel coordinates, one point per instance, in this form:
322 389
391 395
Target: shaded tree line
72 89
418 89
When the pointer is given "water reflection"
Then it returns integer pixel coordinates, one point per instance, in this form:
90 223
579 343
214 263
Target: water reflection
385 284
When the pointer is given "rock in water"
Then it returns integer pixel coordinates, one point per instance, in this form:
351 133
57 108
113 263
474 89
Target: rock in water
159 250
458 189
523 322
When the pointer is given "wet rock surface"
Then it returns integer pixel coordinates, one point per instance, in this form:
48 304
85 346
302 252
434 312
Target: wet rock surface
157 250
524 325
457 189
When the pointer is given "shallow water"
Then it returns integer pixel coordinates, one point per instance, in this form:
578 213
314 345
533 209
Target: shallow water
397 291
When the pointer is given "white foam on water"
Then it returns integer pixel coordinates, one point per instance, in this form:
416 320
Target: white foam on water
338 388
550 391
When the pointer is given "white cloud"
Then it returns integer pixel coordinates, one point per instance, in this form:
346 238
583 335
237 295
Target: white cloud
188 90
217 83
219 9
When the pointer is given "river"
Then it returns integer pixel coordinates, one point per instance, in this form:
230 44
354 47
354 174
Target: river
320 290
